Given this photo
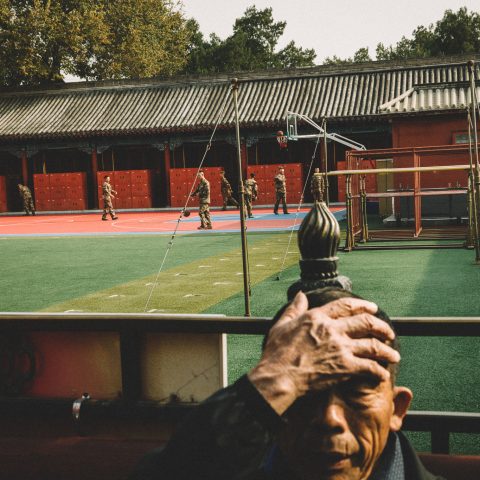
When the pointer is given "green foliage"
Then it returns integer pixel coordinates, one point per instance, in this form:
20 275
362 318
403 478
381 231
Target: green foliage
456 33
252 46
361 55
42 40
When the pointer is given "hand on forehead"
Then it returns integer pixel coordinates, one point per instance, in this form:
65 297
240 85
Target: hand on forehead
314 349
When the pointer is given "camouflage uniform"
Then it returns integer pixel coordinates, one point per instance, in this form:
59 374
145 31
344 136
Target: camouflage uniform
251 193
107 201
317 186
203 192
280 193
227 194
26 194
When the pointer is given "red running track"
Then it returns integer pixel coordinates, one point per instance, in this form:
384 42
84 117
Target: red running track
160 222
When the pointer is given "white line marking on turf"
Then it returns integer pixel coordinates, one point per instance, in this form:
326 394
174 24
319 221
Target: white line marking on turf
222 283
73 311
178 274
239 273
153 310
223 259
275 258
192 295
204 266
259 265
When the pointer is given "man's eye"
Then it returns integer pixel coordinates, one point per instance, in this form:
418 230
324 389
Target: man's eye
359 397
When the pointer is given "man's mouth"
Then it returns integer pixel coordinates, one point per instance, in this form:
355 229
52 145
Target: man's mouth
333 460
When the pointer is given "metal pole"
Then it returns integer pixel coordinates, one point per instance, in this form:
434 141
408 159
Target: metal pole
241 192
325 156
437 168
473 214
471 66
350 237
363 209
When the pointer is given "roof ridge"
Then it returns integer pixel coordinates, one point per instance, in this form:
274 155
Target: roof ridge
244 76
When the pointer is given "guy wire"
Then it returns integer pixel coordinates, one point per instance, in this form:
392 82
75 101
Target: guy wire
298 209
170 243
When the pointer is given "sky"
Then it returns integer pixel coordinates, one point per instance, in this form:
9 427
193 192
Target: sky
330 27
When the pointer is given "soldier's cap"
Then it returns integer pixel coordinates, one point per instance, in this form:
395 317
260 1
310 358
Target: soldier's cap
252 174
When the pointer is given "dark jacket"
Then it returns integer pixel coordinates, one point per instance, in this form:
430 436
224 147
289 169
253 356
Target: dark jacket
229 437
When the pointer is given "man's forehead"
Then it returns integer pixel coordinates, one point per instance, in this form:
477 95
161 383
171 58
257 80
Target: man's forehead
350 385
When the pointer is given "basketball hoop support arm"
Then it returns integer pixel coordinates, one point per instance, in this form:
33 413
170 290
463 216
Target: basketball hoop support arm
292 135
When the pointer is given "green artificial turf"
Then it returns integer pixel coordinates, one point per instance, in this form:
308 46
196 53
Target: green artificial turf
112 273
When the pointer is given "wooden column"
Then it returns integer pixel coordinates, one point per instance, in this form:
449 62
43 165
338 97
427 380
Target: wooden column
94 176
167 166
243 151
24 168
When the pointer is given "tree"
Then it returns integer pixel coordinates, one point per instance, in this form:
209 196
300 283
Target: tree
42 40
361 55
456 33
252 46
146 38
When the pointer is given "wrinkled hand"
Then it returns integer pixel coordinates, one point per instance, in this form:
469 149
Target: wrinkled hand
314 349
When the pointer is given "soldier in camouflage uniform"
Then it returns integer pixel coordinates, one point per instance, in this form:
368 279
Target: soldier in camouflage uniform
227 192
26 194
251 193
203 192
317 186
280 191
108 191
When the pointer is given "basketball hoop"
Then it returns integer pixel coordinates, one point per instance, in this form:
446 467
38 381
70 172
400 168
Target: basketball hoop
282 140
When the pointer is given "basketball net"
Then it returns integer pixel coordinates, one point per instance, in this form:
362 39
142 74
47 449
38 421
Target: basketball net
282 140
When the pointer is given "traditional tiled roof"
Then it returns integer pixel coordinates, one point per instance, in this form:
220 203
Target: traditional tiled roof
432 98
161 107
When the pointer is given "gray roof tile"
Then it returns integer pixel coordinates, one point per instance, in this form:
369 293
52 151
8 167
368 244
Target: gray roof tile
161 107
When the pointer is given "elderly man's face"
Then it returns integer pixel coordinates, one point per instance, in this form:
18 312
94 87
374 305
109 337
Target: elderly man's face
340 433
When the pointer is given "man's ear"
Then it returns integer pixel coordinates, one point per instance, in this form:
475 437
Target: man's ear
402 396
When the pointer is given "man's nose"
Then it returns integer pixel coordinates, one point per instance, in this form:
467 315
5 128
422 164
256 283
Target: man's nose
332 415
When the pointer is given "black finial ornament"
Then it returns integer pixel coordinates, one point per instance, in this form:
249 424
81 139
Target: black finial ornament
318 240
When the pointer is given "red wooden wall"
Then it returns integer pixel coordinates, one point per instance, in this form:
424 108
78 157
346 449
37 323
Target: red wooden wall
181 180
60 191
264 175
134 188
426 132
431 131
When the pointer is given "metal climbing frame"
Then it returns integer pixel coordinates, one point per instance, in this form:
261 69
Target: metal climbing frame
356 194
